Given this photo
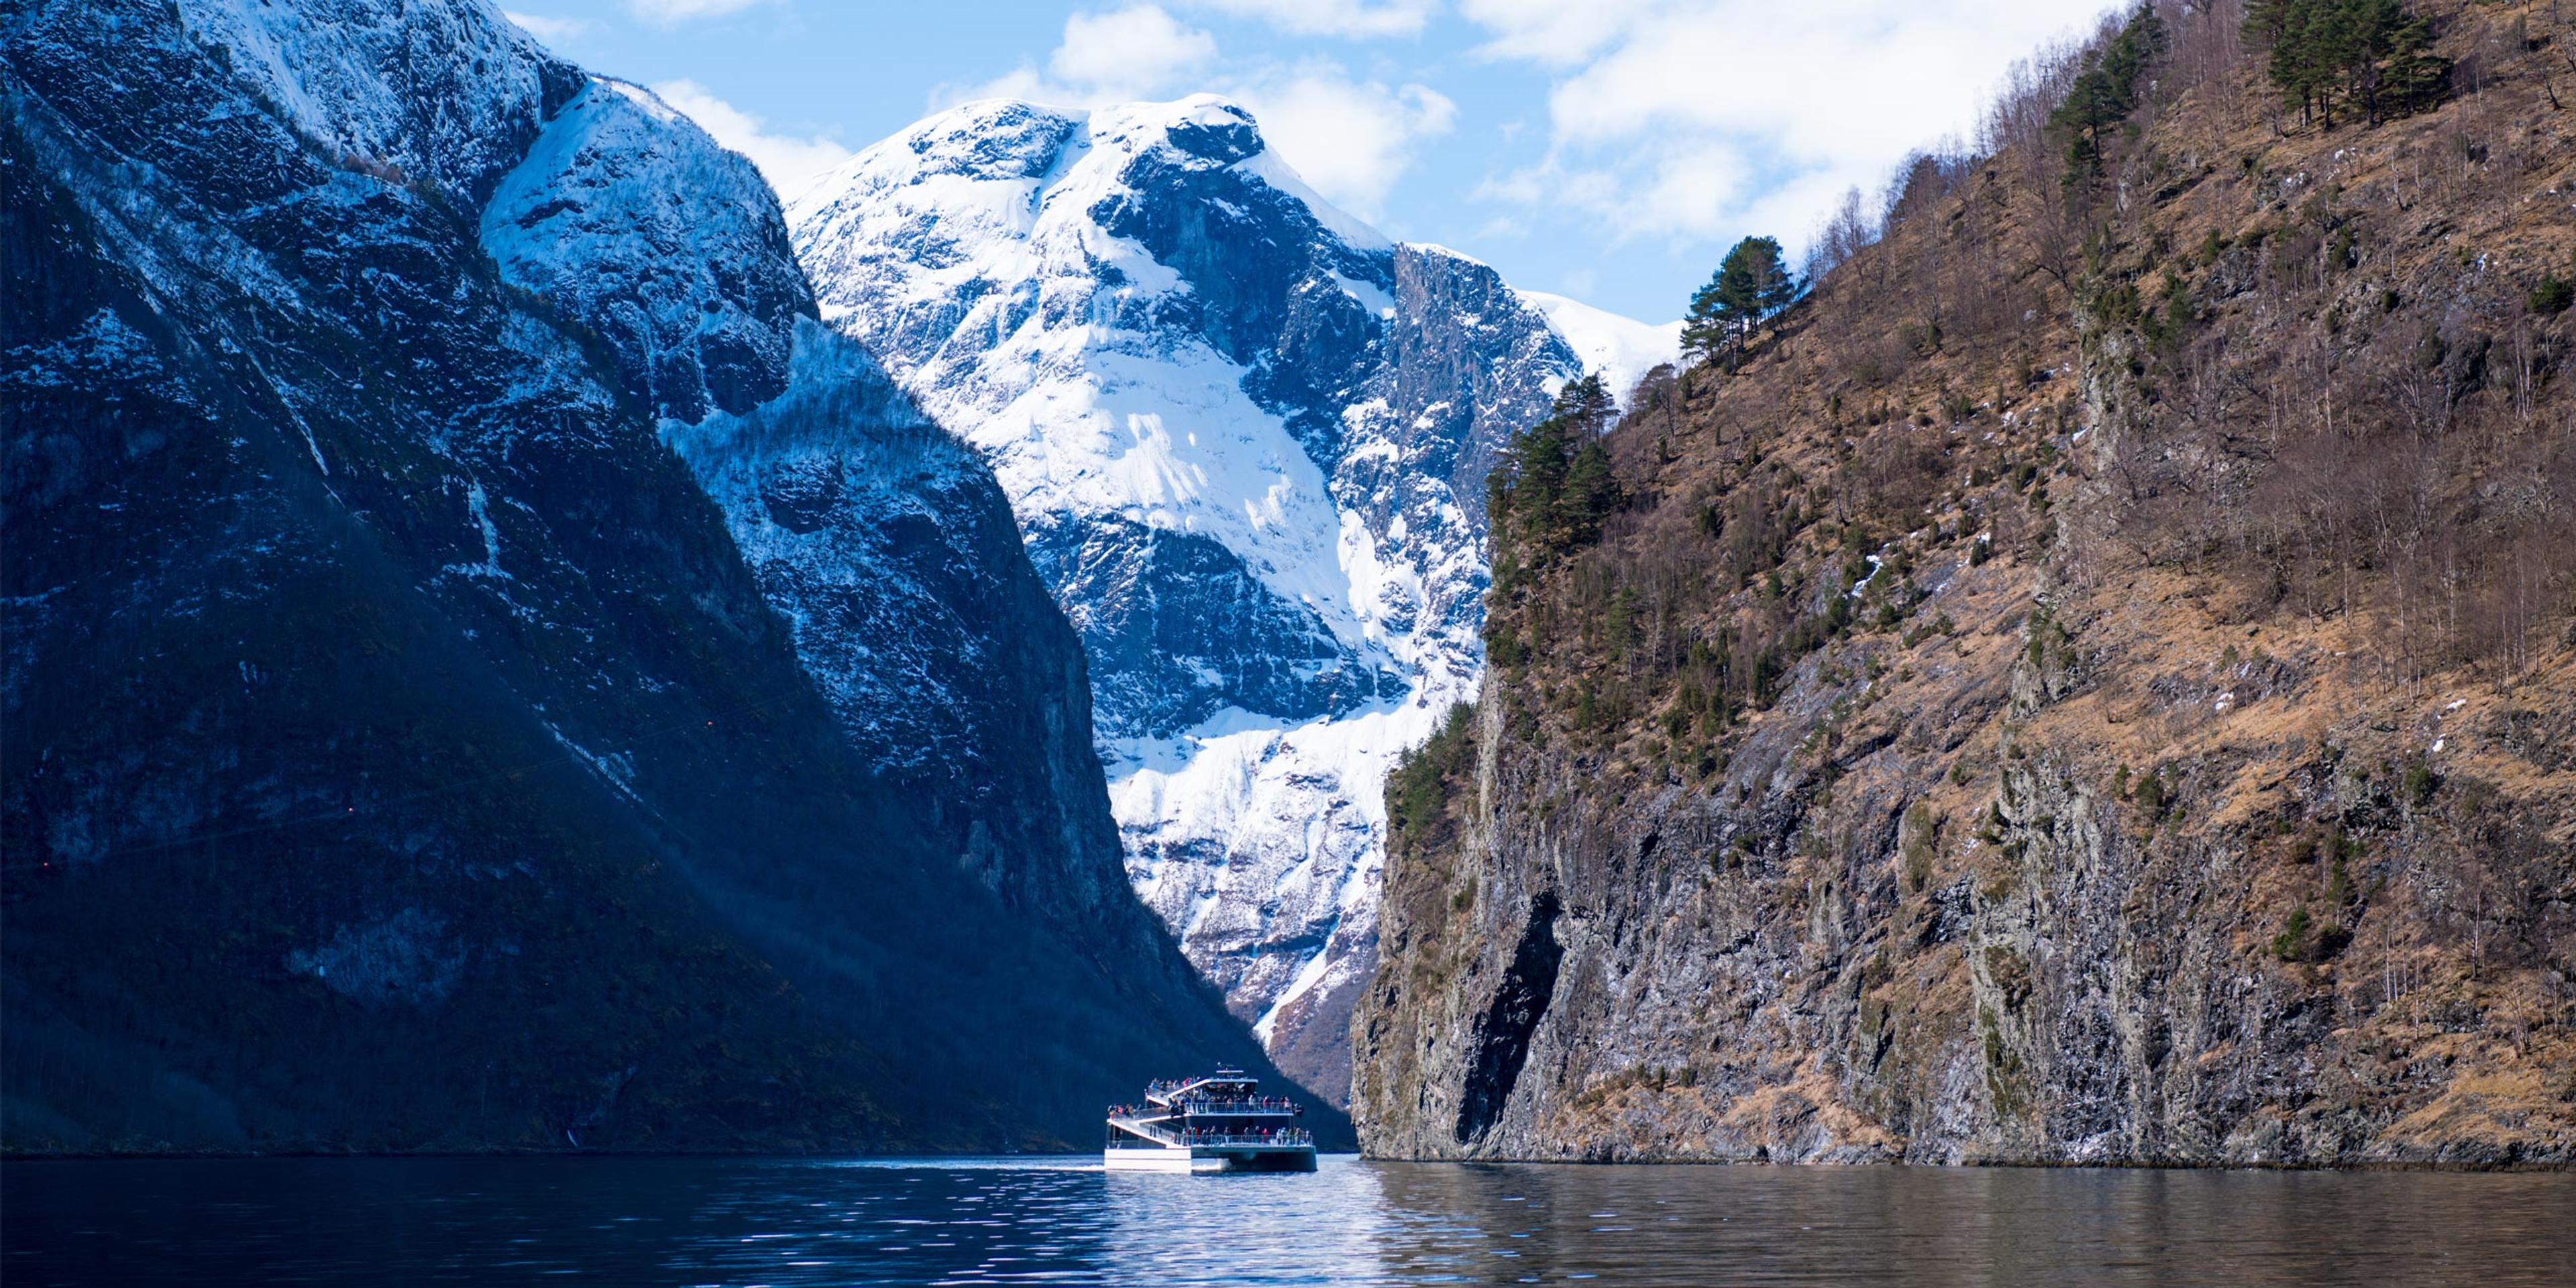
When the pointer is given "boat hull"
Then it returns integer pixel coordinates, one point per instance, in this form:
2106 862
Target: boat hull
1295 1159
1209 1158
1151 1160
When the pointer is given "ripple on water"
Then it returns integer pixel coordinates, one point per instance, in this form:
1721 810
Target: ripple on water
1064 1221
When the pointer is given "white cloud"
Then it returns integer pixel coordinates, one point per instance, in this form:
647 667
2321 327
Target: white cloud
1352 18
1551 32
669 13
788 162
1132 51
553 31
1697 120
1137 52
1350 139
1022 82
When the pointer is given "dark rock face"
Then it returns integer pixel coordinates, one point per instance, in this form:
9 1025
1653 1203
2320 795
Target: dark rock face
1709 992
1188 602
1457 378
615 220
405 750
897 565
1502 1035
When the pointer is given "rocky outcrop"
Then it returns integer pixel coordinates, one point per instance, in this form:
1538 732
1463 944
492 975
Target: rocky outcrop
1953 752
1759 968
626 219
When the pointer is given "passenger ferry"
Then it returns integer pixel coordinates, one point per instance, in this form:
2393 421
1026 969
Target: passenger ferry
1220 1123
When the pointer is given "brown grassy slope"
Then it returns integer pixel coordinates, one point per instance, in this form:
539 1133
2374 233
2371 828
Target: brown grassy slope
2226 813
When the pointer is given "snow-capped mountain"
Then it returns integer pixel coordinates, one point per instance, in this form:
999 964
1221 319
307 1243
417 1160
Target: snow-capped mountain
485 667
1244 435
879 539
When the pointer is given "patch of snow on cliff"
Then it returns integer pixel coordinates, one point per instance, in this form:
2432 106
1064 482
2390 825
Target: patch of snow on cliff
353 80
1621 349
1267 166
1241 828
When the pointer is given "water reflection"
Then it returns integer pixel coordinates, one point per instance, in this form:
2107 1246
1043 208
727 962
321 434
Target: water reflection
737 1221
1274 1228
2004 1227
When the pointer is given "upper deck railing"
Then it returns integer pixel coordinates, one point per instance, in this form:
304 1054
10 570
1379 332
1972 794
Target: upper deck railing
1218 1107
1285 1138
1223 1077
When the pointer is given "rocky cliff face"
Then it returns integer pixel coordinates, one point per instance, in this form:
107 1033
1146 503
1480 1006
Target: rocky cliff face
1245 436
473 638
1985 736
879 539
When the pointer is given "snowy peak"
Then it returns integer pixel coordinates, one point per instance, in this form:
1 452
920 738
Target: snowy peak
1146 217
1000 139
1107 304
1208 134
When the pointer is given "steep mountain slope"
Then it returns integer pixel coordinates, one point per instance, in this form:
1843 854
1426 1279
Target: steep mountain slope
2092 685
1245 436
404 751
881 541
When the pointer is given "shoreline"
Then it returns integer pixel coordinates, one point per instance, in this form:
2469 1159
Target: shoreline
2518 1166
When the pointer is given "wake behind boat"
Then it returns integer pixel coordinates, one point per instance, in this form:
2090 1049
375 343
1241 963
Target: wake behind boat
1220 1123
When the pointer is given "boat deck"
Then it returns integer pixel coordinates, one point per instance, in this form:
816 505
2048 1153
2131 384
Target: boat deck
1211 1124
1156 1130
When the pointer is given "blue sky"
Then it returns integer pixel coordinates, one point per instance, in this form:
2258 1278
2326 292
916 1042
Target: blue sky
1608 150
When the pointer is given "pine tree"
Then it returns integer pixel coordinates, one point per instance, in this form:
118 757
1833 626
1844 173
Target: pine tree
1586 405
1591 492
2327 50
1704 330
2090 109
1752 283
2299 62
2374 54
2098 104
1533 472
2414 77
1553 486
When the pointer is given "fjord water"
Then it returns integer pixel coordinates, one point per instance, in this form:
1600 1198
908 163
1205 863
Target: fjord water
1063 1221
